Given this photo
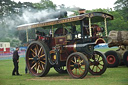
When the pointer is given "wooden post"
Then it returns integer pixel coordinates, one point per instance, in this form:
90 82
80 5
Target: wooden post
90 31
52 32
105 23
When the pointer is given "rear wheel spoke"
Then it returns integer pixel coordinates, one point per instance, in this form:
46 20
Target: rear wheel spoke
71 65
33 51
39 51
73 61
33 66
30 58
33 55
42 55
37 47
81 62
33 62
38 69
73 69
42 66
42 62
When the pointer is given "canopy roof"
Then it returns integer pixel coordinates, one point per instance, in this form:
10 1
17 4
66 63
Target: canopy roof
95 17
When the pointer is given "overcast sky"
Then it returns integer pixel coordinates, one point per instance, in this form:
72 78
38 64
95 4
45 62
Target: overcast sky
86 4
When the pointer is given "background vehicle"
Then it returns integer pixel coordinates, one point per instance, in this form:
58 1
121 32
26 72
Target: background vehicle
70 42
119 39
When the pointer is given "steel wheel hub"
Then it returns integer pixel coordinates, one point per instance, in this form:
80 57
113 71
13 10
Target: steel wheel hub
36 59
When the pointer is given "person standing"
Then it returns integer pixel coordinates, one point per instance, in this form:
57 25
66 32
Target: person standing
15 62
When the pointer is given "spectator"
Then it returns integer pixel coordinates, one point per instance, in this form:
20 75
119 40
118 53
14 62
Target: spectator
15 62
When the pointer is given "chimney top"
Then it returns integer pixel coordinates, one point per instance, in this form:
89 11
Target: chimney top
81 11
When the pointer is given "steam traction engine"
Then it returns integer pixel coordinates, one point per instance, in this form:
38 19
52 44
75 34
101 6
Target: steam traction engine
69 47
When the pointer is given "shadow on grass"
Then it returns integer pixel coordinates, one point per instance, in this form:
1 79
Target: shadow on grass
57 76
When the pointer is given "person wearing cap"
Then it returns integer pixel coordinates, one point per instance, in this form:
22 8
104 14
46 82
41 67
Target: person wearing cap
40 35
15 62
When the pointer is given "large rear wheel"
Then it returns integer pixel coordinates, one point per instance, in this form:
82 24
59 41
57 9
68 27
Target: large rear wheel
98 63
37 58
77 65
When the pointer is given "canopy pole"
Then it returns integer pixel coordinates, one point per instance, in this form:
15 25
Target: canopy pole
105 23
52 32
35 32
90 31
27 35
63 29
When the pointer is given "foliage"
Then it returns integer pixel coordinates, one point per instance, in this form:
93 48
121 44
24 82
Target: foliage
122 8
45 4
118 23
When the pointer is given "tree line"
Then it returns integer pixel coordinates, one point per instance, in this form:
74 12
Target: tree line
13 14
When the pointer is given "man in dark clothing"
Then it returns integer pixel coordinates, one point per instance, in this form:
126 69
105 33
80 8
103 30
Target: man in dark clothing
15 62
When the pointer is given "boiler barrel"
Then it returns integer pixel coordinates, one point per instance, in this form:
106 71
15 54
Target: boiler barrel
88 47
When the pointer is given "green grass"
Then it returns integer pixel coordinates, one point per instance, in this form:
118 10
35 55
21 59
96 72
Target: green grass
112 76
106 49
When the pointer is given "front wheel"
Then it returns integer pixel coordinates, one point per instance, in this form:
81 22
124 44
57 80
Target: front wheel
77 65
98 63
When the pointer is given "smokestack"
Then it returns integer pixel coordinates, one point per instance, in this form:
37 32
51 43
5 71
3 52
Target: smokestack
82 11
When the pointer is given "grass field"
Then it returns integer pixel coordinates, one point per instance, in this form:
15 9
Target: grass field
112 76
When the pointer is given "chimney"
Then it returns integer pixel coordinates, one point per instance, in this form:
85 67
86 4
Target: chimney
82 11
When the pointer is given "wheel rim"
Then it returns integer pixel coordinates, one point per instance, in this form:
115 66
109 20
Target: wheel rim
97 64
111 59
36 59
76 66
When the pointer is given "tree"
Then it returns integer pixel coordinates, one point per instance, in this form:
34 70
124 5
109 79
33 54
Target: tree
118 23
45 4
6 7
10 15
122 8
